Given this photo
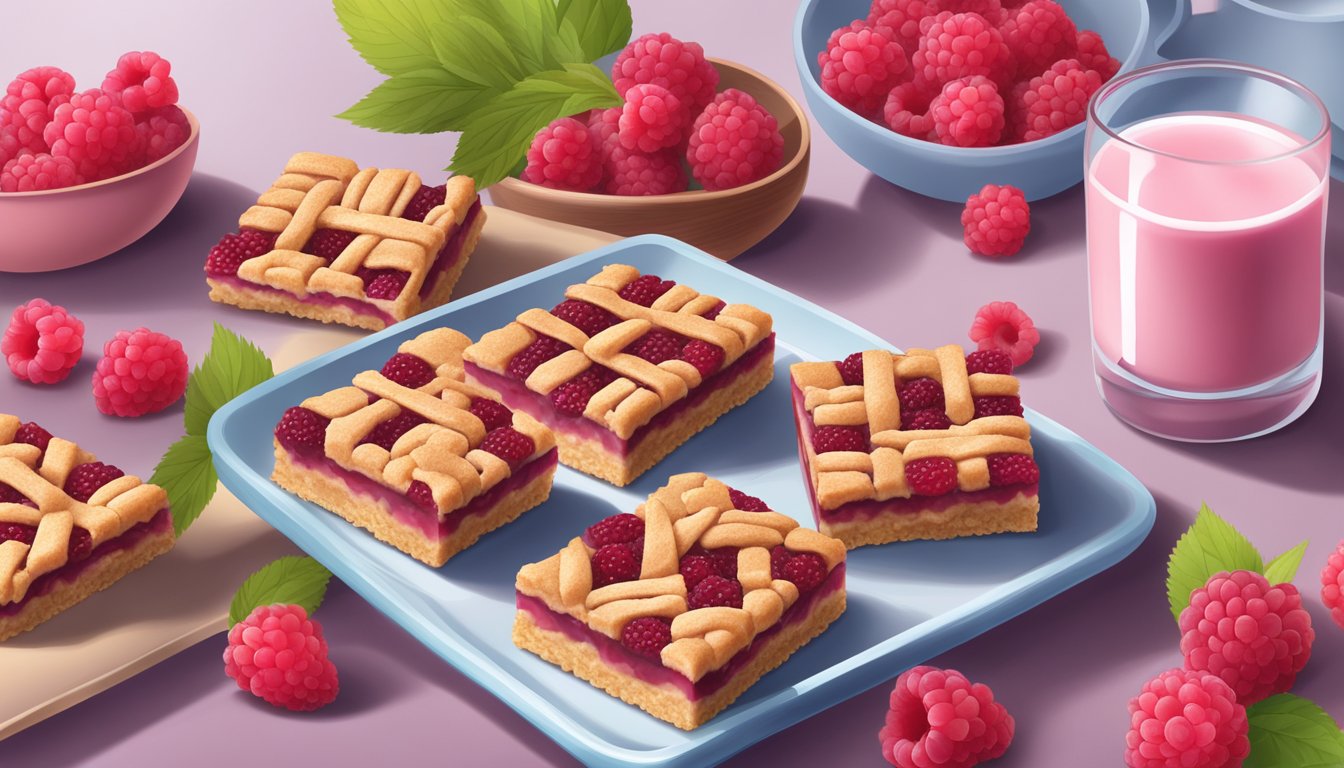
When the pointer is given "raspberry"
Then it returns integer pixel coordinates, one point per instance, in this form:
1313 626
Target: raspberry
302 431
957 45
9 144
85 479
636 174
1092 54
907 112
992 10
746 503
10 496
656 346
385 434
95 131
779 558
80 546
278 653
831 438
735 141
1054 100
851 369
1039 33
36 173
997 405
17 531
543 348
940 719
42 343
707 358
806 571
929 418
28 104
1013 469
645 290
571 398
410 371
589 318
1003 326
933 476
861 65
232 250
968 113
603 125
647 636
1332 584
422 496
695 569
384 284
563 156
328 243
31 434
616 529
143 80
509 444
901 18
989 361
159 132
715 591
1183 719
141 372
920 394
1254 636
652 119
423 201
492 414
614 563
996 221
724 562
662 60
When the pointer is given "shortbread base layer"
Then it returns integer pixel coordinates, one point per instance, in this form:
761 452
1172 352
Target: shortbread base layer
659 691
590 448
952 519
79 581
394 520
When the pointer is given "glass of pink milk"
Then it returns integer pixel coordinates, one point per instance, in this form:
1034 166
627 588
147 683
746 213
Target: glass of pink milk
1206 201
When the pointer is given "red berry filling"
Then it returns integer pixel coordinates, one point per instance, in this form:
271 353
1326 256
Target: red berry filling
425 200
929 418
571 398
707 358
645 290
746 503
615 563
422 496
492 414
697 568
998 405
232 250
647 636
589 318
989 361
724 562
715 591
302 431
806 570
31 434
933 476
10 496
921 394
408 370
1013 469
851 369
656 346
79 548
832 438
17 532
543 348
616 529
327 244
385 284
510 445
386 434
85 479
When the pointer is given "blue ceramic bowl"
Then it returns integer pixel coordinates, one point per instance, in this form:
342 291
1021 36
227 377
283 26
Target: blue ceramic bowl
1040 168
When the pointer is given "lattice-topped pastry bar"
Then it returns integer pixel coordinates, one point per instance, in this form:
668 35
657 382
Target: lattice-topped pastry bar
626 368
411 453
331 242
930 444
69 525
682 606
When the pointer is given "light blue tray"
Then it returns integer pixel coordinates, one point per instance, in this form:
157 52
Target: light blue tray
907 602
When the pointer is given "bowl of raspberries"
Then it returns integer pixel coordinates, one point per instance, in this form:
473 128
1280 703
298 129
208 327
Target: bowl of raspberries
701 149
944 96
85 173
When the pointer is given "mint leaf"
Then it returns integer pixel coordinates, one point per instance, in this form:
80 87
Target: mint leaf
472 49
602 26
392 35
289 580
423 101
1288 730
1211 545
187 473
231 367
1283 568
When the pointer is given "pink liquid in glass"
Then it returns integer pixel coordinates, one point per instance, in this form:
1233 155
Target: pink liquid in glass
1204 245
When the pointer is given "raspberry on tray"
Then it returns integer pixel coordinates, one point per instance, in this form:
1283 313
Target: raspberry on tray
42 343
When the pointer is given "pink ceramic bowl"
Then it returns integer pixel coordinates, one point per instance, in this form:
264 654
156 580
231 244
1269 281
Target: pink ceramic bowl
62 228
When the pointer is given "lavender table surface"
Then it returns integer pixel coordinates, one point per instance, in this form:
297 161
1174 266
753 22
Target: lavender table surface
265 78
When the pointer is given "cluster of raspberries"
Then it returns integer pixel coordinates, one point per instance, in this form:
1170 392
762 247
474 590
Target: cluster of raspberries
966 74
672 119
52 136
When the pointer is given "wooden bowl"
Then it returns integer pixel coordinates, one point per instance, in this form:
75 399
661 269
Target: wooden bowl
724 223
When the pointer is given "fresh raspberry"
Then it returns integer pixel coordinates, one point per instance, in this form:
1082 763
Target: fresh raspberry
707 358
386 433
851 369
735 141
603 125
968 113
1332 584
940 719
278 653
509 444
933 476
1183 719
1055 100
746 503
929 418
9 144
302 431
715 591
806 571
901 18
232 250
409 371
492 414
384 284
571 398
662 60
616 529
645 290
141 372
920 394
996 221
589 318
989 361
1003 326
143 80
907 112
992 10
85 479
35 173
42 343
1013 469
1092 54
1039 33
656 346
724 562
28 104
647 636
1254 636
425 200
422 496
997 405
329 243
563 156
632 173
95 131
652 119
31 434
543 348
614 563
695 569
860 65
832 438
160 131
957 45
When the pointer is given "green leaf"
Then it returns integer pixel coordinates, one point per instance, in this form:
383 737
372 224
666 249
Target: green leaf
1289 731
289 580
530 26
187 473
423 101
231 367
1283 568
472 49
392 35
1211 545
602 26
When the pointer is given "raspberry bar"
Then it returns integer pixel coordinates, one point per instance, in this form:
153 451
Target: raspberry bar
681 607
415 456
70 525
930 444
626 368
364 248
